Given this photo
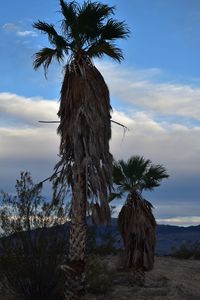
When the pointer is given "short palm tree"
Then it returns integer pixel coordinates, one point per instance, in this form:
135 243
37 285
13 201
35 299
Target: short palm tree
87 32
136 221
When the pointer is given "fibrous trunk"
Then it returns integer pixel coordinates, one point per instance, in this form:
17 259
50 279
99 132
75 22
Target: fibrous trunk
137 225
74 266
85 162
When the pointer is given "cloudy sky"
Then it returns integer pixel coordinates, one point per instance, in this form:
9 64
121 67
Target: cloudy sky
155 92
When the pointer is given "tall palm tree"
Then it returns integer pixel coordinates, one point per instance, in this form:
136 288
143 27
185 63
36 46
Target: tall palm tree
136 221
88 31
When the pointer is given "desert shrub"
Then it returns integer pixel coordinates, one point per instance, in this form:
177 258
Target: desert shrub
98 275
187 251
31 250
29 265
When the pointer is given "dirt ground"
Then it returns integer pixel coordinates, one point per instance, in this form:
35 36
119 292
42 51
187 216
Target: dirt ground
171 279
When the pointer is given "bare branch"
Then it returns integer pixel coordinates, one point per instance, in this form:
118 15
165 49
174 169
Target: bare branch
49 122
53 122
49 178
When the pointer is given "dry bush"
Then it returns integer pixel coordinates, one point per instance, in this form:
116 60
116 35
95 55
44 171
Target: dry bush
187 251
98 276
31 251
29 266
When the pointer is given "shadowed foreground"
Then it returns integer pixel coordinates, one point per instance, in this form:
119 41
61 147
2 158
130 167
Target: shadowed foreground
171 279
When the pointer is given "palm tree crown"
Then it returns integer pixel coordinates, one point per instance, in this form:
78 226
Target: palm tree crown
87 31
137 173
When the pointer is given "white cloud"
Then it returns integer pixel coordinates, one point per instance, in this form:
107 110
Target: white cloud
10 27
143 89
27 110
175 146
31 144
17 28
180 221
26 33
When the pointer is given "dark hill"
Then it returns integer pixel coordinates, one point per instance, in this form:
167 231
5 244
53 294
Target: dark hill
168 237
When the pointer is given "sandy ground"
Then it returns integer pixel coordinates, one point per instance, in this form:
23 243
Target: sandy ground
171 279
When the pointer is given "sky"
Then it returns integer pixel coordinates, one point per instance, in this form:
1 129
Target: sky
155 92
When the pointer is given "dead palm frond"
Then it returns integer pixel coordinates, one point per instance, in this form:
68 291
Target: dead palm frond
137 226
85 129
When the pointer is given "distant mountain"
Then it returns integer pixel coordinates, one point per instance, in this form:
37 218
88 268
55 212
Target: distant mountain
168 237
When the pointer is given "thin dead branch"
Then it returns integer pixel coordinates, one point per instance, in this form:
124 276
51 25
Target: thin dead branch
54 122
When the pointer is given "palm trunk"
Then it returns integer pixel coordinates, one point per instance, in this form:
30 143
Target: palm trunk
136 272
75 265
134 222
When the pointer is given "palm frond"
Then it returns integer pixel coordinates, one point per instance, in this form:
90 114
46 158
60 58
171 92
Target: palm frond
137 226
135 168
118 175
114 30
101 48
90 19
85 131
69 11
44 57
86 28
154 176
139 173
121 181
54 38
45 28
114 196
101 214
95 10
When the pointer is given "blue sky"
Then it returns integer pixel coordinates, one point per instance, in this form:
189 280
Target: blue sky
155 92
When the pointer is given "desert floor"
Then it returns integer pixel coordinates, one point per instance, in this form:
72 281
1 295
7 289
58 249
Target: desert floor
171 279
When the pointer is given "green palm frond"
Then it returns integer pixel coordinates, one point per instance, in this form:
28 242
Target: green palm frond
90 19
114 196
136 166
44 57
102 48
138 173
122 184
69 23
88 31
118 175
54 38
95 11
114 30
154 176
69 10
45 28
